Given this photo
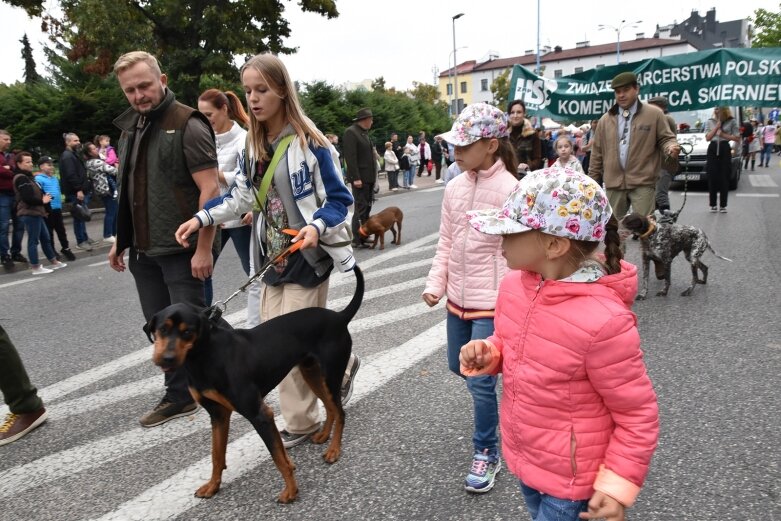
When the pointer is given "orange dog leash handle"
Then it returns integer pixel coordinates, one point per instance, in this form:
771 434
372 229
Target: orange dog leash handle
290 249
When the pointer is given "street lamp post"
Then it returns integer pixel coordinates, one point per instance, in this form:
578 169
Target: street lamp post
623 25
455 65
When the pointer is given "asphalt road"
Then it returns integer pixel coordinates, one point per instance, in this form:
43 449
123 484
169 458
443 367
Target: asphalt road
714 357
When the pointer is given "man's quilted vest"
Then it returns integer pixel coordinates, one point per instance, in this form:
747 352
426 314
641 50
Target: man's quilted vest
164 194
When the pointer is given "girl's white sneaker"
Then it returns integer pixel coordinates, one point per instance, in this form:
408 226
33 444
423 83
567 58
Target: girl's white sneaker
57 266
40 270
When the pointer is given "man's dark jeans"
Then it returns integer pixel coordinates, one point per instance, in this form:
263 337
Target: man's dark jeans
161 281
363 207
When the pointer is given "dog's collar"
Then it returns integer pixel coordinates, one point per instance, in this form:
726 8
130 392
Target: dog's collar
362 231
651 228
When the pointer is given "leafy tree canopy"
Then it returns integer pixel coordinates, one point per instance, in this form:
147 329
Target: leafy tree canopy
767 27
189 38
500 88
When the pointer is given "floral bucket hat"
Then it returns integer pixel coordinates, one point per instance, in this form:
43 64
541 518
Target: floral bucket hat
477 121
559 202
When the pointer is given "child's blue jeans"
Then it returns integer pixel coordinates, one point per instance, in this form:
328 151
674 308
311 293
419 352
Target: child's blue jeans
482 388
544 507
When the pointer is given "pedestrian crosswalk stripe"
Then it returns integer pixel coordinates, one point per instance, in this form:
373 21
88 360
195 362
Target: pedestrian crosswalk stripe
762 181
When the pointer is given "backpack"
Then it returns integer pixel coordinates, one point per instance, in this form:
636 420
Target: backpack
404 162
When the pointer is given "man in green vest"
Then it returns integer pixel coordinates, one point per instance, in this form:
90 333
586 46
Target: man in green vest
167 172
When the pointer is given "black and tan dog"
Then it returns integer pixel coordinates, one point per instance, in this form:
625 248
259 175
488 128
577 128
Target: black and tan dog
661 242
234 369
380 223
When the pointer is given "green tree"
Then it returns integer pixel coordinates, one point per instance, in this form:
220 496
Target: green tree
30 74
190 39
378 83
424 92
767 28
333 109
500 88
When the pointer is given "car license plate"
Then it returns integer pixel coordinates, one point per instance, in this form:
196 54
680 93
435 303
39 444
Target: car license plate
687 177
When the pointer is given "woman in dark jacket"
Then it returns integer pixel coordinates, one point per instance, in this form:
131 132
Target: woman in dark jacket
31 209
528 148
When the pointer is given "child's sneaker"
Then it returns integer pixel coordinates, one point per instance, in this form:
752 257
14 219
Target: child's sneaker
484 469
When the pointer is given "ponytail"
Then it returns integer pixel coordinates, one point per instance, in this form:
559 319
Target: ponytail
236 109
613 253
506 153
220 99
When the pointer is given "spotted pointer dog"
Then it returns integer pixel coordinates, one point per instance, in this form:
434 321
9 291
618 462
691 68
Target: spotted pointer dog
661 240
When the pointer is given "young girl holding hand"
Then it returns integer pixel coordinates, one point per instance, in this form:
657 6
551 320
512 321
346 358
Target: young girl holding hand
468 265
579 414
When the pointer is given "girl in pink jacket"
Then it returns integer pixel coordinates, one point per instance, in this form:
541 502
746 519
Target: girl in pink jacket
579 414
468 266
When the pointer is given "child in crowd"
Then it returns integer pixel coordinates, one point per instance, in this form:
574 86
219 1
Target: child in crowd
579 413
50 184
563 146
107 153
405 163
468 265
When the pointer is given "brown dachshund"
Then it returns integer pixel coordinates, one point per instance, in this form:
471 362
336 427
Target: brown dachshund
380 223
234 369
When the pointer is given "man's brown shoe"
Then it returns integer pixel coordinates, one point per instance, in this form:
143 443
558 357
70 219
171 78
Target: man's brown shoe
17 425
165 411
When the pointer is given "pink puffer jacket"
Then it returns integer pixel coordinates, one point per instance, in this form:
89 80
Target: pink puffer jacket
468 265
578 411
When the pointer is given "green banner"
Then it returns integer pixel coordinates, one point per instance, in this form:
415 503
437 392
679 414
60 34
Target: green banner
698 80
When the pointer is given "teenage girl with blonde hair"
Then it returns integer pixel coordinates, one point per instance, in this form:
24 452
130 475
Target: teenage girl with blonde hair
305 191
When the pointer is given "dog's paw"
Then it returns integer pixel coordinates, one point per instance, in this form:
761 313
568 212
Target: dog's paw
288 495
702 281
640 296
332 454
662 293
687 292
208 490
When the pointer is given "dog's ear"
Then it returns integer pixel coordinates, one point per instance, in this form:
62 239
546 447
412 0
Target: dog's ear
633 221
150 328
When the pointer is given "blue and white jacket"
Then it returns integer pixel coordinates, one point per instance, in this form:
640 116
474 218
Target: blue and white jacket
50 185
319 197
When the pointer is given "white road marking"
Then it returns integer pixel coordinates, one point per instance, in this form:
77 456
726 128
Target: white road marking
14 283
103 263
236 319
248 452
753 194
341 303
762 181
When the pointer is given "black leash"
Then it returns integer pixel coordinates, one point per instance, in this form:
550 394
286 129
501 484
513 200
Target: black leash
686 156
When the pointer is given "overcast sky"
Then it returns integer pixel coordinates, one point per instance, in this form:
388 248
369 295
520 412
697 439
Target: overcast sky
406 40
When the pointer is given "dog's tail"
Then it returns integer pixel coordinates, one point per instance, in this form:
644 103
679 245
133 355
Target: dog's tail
716 254
352 308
